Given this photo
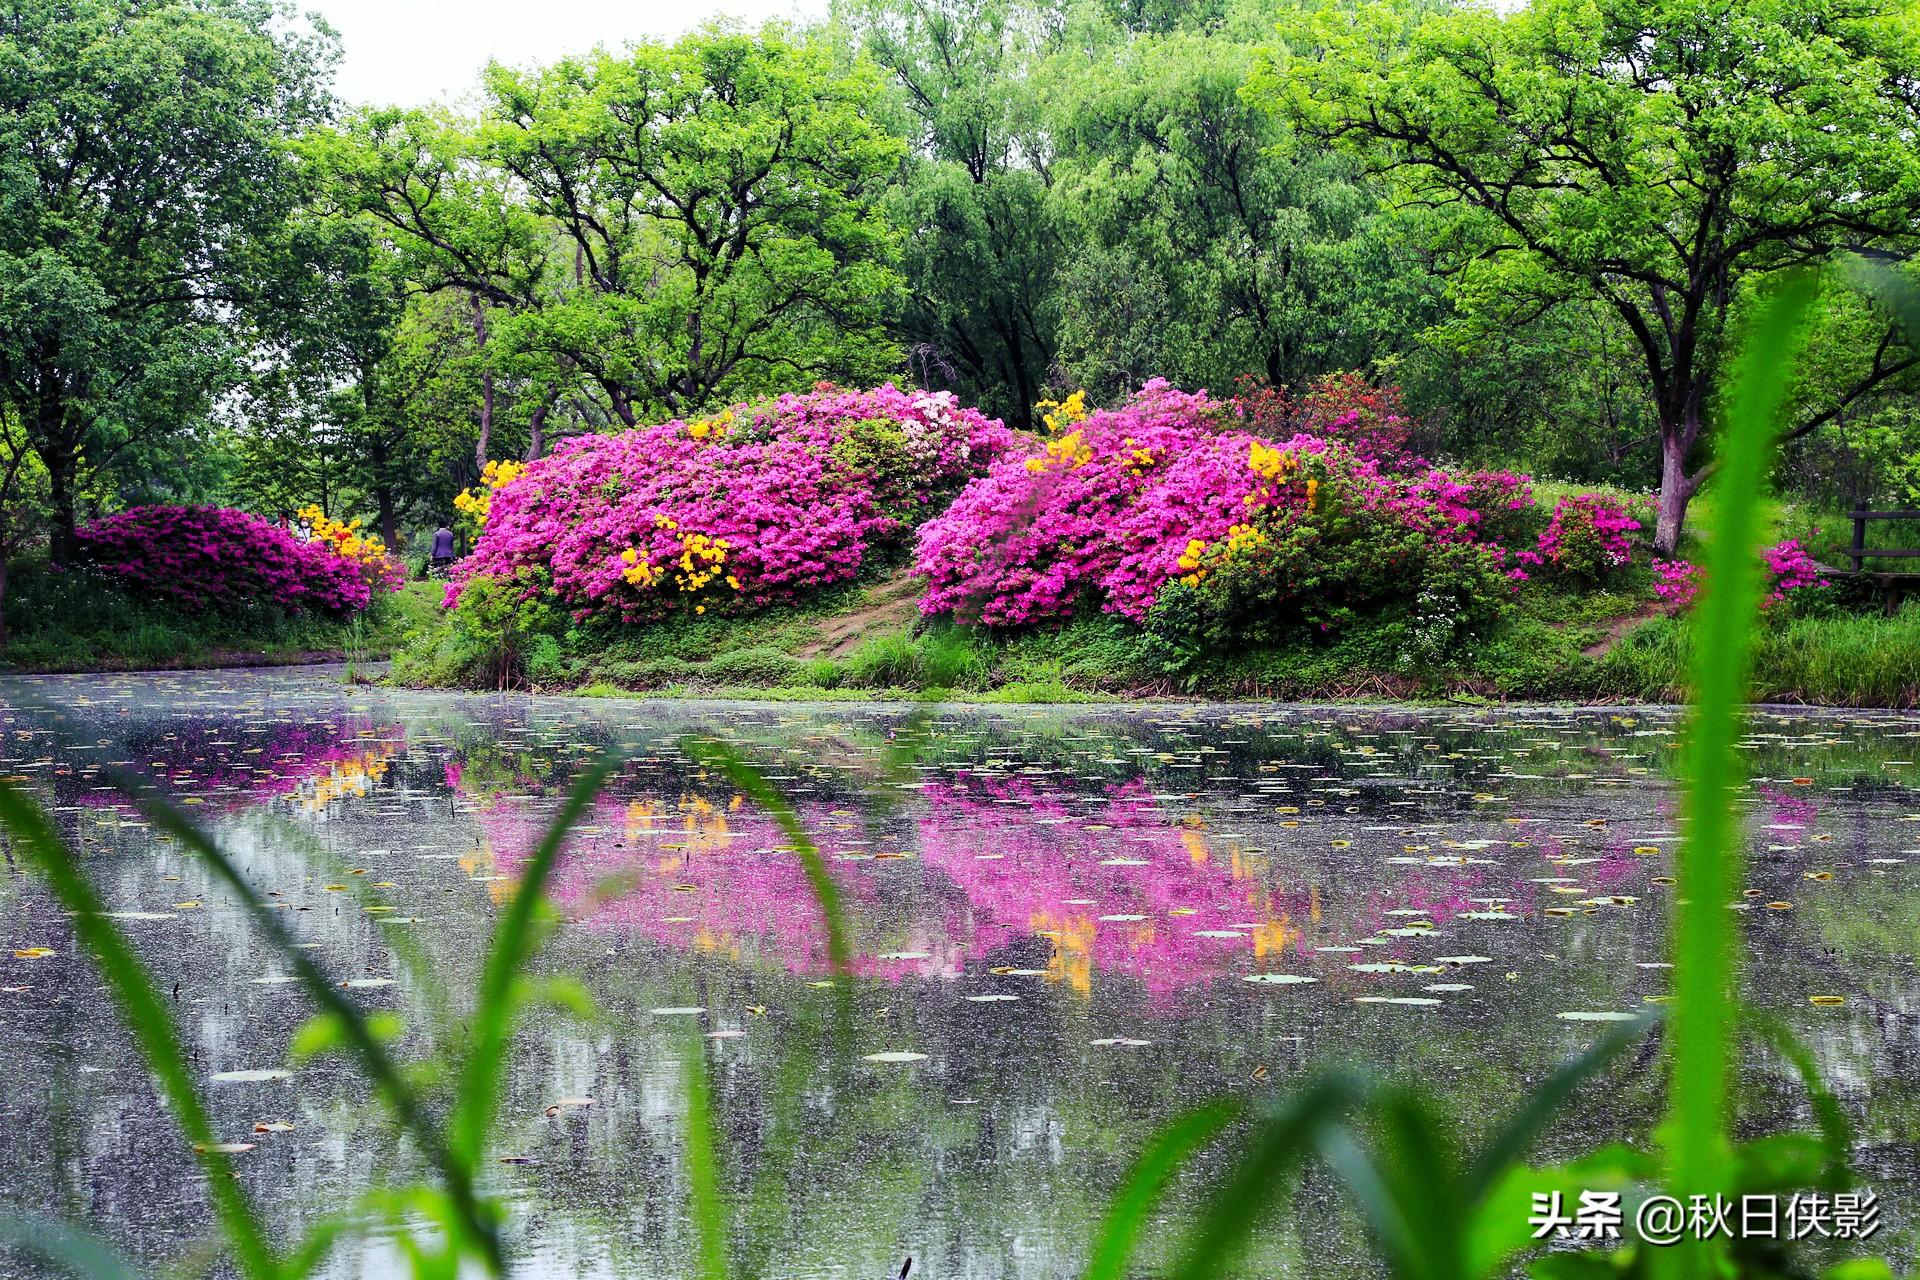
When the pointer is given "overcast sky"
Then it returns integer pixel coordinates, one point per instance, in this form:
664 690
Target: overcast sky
412 52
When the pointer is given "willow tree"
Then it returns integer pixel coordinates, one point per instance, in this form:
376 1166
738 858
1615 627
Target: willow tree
1661 156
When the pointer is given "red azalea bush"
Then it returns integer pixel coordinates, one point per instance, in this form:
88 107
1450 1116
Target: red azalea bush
1371 420
752 506
213 558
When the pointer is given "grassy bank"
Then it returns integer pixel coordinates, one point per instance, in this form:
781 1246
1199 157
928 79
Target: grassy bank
868 641
81 622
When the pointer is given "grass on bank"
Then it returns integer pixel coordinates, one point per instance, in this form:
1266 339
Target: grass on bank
77 621
1614 644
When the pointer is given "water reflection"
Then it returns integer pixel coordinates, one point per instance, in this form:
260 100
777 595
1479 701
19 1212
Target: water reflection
1086 920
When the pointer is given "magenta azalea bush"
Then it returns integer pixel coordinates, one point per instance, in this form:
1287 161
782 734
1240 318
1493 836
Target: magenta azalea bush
1790 568
1587 537
210 558
1164 490
752 506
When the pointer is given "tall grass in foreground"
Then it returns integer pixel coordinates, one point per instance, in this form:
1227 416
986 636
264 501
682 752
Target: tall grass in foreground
1434 1212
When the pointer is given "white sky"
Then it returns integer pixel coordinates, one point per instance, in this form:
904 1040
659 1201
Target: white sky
412 52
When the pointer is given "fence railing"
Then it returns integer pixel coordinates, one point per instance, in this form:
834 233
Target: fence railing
1859 552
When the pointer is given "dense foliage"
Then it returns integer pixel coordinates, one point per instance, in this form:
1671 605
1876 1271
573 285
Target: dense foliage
1791 122
736 511
1165 513
205 559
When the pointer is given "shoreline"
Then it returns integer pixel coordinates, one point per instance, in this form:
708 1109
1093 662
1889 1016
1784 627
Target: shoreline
371 673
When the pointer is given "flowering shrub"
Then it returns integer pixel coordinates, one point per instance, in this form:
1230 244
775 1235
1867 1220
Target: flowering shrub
1154 492
1340 406
1676 581
472 505
1789 569
727 513
1586 537
205 558
367 552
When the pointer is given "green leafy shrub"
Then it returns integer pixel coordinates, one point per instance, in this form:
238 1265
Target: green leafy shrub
490 638
821 673
756 666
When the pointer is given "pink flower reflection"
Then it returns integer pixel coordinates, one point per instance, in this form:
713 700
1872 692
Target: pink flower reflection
995 873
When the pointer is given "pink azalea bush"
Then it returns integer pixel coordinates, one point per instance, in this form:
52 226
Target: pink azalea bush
208 558
755 505
1165 490
1789 569
1587 537
1676 581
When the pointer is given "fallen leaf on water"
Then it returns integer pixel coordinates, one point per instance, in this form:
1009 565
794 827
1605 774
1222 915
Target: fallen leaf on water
895 1055
568 1104
223 1148
250 1075
273 1126
32 953
1827 1001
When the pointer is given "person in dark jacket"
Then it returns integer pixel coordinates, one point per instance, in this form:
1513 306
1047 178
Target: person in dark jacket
442 547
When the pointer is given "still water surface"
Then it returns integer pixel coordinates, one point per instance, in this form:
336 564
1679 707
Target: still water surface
1086 920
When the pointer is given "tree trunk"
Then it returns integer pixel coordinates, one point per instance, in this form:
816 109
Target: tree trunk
3 601
537 430
60 496
484 440
389 517
1676 490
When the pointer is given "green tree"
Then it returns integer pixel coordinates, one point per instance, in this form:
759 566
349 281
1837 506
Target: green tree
983 257
1207 244
659 229
141 165
1662 156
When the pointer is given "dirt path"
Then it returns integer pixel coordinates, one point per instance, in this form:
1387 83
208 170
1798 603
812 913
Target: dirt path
1614 628
891 605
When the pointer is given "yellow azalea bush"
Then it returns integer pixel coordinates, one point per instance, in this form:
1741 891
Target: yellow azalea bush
1058 414
713 428
701 560
366 551
474 504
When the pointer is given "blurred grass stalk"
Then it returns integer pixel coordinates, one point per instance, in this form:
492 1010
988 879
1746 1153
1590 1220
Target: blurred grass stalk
1705 934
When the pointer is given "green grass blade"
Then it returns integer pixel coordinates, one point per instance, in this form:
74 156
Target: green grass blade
359 1036
73 1251
722 758
1387 1221
1883 283
1836 1133
146 1016
496 1006
703 1170
1509 1146
1170 1148
1277 1147
1709 858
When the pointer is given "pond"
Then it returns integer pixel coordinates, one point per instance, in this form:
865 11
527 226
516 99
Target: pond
1086 919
